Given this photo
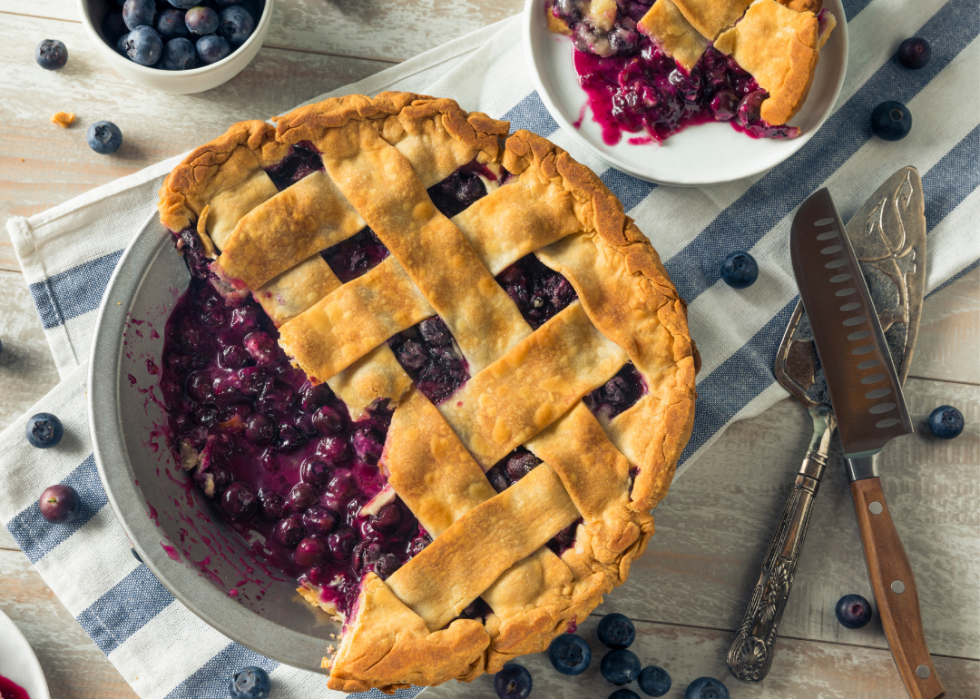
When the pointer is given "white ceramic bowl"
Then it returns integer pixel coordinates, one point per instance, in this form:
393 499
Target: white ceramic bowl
700 155
178 82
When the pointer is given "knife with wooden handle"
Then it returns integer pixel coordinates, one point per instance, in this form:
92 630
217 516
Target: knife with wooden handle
870 408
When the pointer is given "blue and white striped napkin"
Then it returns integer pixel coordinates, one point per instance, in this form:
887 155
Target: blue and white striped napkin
68 254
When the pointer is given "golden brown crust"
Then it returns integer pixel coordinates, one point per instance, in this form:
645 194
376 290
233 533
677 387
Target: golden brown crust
666 25
711 17
780 48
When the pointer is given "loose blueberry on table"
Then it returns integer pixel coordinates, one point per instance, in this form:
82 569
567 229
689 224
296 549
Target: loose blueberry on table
620 666
706 688
513 682
616 631
250 683
891 121
570 654
51 54
104 137
853 611
624 693
44 430
654 681
914 53
739 270
184 35
59 504
946 422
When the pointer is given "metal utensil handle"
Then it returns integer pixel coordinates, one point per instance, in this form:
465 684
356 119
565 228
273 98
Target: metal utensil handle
896 595
751 652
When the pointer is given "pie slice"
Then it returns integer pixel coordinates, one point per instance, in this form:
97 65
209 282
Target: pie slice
412 342
694 61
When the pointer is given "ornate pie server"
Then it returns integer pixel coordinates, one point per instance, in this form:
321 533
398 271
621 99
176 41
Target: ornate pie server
888 236
867 399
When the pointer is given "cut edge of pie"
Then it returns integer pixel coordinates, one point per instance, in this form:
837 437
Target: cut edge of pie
526 387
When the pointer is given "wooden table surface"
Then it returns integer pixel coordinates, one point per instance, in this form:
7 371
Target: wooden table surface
689 590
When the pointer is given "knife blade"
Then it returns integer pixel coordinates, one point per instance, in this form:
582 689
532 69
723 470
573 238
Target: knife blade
870 409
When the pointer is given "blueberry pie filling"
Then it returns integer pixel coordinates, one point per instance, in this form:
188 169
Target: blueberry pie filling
437 377
677 64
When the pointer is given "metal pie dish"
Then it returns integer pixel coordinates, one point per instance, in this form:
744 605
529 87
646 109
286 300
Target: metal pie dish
131 447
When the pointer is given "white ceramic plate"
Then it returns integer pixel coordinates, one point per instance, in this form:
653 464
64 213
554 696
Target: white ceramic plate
699 155
18 662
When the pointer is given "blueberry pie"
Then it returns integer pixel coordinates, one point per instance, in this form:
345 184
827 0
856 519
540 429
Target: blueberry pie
658 67
433 368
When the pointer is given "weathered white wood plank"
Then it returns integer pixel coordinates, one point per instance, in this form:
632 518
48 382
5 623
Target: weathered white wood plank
949 333
714 525
802 669
42 164
371 29
74 667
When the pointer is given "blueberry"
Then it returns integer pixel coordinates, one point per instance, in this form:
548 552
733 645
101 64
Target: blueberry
520 464
320 521
724 105
310 552
51 54
616 631
135 555
239 501
914 53
624 694
212 48
853 611
513 682
121 43
620 666
179 54
259 429
44 431
236 25
183 4
368 445
342 542
946 422
301 497
289 531
144 46
570 654
706 688
170 24
273 505
387 519
891 121
328 421
59 504
654 681
201 20
739 270
386 564
139 13
315 472
250 683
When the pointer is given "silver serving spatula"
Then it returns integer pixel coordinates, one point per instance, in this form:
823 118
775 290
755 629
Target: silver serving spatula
888 234
870 408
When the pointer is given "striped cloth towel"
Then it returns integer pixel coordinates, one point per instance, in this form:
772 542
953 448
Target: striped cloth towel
68 254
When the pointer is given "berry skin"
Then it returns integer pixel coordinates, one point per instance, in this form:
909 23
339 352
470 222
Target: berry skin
853 611
914 53
654 681
183 4
891 121
946 422
59 504
201 20
139 13
620 666
513 682
624 694
44 431
51 54
212 48
144 46
739 270
170 24
104 137
250 683
616 631
236 25
706 688
180 54
570 654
